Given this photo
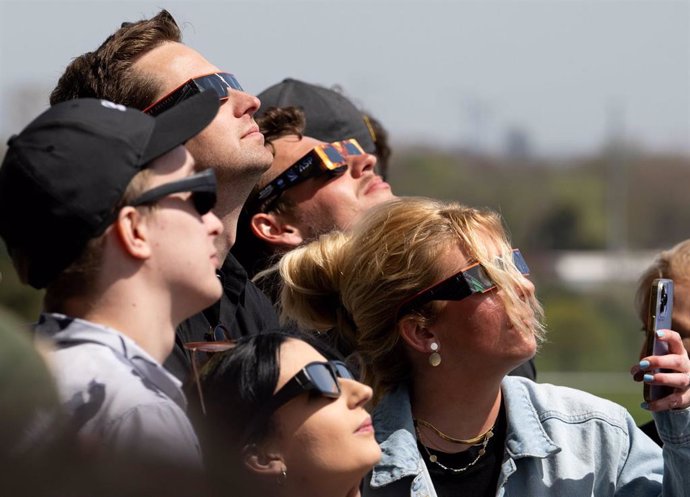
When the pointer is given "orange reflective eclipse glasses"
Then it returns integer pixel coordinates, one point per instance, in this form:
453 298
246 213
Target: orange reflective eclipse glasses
328 158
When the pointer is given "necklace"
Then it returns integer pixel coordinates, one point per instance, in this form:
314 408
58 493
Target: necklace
479 439
434 459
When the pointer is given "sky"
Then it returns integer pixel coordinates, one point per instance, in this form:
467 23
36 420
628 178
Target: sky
566 75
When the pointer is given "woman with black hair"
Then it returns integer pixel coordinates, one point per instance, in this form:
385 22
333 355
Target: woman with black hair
281 419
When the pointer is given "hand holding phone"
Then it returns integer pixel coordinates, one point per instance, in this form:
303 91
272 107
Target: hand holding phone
658 318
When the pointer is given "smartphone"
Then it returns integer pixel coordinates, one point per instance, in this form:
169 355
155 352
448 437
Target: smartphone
658 318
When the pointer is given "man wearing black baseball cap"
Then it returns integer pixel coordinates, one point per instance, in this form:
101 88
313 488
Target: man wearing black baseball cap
313 187
102 206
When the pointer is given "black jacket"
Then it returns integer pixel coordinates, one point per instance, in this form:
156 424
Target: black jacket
243 310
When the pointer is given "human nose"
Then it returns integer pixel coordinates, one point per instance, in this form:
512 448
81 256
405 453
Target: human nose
243 103
213 224
358 394
359 164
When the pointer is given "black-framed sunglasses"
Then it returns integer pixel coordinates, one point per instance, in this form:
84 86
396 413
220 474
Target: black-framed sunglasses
218 82
319 378
214 347
201 185
470 280
328 158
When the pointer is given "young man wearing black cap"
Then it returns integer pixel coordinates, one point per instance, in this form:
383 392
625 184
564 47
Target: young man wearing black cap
102 206
144 65
312 187
293 204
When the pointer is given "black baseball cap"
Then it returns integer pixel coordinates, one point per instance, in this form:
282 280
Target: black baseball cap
64 175
330 116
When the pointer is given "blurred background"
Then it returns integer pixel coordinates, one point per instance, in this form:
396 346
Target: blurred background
571 118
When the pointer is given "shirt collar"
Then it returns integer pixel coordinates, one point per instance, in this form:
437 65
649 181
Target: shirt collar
66 331
234 278
396 436
525 435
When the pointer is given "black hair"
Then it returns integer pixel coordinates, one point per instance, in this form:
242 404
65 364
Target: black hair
236 384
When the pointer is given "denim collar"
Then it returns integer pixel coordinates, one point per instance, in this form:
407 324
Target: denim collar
395 432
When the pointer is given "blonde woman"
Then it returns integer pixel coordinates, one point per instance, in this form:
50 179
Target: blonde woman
438 305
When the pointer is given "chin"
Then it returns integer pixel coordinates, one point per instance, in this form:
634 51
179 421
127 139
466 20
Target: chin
371 455
208 296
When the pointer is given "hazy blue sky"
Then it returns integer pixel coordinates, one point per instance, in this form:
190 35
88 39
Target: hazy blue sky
445 73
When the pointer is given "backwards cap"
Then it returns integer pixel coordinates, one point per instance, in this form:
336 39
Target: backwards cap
330 116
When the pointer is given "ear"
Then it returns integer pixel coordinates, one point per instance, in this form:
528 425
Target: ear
275 230
415 335
132 232
263 462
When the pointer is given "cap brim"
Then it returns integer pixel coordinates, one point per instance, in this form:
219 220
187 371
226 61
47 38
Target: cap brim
180 123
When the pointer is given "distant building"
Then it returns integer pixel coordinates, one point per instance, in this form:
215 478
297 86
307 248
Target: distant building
588 268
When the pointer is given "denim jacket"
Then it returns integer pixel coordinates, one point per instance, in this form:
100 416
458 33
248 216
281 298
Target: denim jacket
559 442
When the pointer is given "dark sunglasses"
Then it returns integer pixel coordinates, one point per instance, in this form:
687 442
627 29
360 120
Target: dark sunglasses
202 186
218 82
219 345
316 377
473 279
328 158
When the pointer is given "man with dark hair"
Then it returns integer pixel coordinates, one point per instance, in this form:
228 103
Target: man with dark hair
312 187
103 207
145 65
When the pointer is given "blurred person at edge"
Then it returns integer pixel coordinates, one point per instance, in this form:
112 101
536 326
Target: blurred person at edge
103 207
673 264
32 422
145 65
285 419
437 303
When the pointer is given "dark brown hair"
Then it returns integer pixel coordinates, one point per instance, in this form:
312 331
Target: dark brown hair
383 150
277 122
107 72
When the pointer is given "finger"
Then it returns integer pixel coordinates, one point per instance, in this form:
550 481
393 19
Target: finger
637 372
674 401
672 363
680 381
673 339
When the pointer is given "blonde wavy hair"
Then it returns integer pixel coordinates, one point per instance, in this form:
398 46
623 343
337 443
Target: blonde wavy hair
353 284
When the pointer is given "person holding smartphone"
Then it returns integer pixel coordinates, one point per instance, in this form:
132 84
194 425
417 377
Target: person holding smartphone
673 264
439 307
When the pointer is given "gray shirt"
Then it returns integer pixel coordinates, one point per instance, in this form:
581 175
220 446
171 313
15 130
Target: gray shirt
120 398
